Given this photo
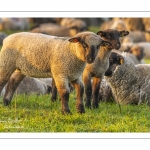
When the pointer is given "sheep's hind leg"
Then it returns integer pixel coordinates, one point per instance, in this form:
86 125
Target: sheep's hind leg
80 91
54 91
12 85
95 94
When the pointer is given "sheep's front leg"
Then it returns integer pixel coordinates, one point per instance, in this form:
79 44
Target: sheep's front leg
88 90
63 89
54 91
12 85
95 94
80 91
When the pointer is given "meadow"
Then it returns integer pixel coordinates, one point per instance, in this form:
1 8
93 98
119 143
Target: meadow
32 113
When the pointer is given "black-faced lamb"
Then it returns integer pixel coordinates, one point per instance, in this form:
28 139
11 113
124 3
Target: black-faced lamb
43 56
130 83
97 69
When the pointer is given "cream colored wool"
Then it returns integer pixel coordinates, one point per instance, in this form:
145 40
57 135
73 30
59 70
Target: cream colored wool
43 56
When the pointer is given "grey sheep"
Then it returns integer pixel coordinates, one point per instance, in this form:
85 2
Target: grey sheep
55 30
31 85
43 56
97 69
105 93
2 37
77 24
130 83
137 36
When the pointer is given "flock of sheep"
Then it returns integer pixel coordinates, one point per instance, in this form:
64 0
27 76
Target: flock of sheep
100 66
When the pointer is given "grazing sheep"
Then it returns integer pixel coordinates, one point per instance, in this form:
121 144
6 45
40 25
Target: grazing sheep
31 86
47 81
115 23
100 65
2 36
130 83
135 52
134 24
14 24
137 36
43 56
54 29
146 48
78 24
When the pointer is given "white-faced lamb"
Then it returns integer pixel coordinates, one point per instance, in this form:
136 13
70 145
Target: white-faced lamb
97 69
130 83
43 56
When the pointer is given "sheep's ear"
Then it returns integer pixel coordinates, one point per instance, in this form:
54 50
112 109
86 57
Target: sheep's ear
100 33
123 33
121 60
105 43
75 39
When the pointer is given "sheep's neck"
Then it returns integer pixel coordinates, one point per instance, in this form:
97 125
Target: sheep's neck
103 53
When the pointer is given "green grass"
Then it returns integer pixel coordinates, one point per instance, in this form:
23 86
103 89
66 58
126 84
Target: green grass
38 114
147 61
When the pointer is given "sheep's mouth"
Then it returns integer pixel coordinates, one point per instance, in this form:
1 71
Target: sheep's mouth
110 73
89 60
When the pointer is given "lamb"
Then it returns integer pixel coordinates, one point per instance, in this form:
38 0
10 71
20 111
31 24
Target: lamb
99 66
115 23
130 83
43 56
146 48
31 86
55 30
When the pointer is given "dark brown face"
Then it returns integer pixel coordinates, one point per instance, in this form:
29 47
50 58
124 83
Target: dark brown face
90 48
115 59
113 36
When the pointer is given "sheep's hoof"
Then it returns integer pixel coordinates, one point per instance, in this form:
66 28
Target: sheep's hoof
80 109
88 105
95 106
65 112
6 102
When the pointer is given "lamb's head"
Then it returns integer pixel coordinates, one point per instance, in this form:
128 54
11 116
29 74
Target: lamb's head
113 36
115 59
87 45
